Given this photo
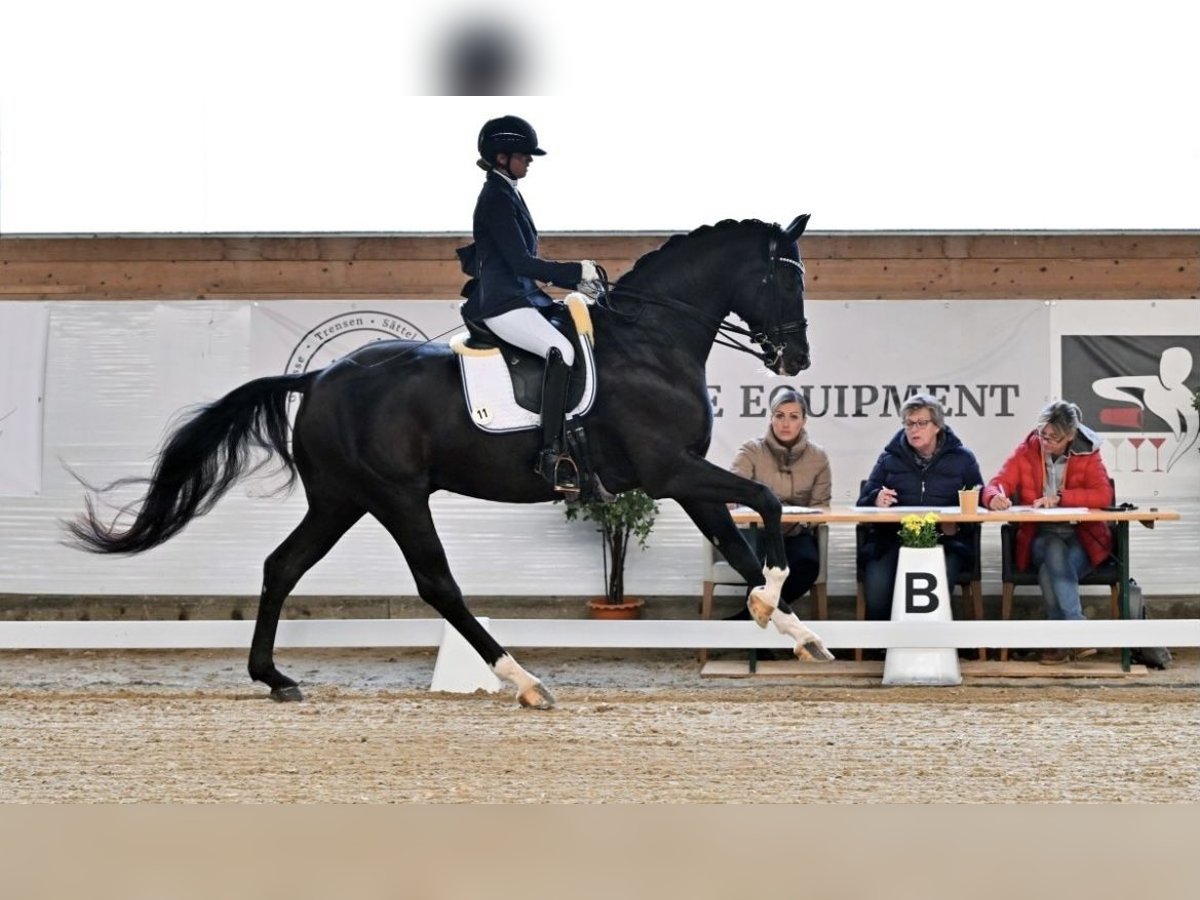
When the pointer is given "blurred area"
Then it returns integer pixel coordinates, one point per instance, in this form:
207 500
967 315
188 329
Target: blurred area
475 53
481 59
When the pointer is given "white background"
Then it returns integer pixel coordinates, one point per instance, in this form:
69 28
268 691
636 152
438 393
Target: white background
245 115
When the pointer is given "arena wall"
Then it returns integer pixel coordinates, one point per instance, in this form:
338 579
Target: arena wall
141 326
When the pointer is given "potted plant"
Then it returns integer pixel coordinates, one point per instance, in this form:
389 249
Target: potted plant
919 531
630 516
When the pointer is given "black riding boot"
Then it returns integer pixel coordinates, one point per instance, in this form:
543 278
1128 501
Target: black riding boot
553 465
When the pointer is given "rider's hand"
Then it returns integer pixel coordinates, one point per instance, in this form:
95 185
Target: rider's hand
590 283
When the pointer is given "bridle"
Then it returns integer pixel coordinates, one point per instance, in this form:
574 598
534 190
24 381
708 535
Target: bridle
771 338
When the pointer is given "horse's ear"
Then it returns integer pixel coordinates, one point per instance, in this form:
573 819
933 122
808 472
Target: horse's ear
797 227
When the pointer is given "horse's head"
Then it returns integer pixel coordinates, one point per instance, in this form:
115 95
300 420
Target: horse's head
749 268
777 312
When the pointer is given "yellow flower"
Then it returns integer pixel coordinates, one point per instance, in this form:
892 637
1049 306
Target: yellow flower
919 531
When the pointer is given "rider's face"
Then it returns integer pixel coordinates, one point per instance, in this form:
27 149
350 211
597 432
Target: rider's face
517 163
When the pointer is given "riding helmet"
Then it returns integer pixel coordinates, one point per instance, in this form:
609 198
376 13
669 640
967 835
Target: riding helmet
508 134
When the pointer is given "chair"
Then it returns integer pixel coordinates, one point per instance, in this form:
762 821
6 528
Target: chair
970 581
719 572
1108 572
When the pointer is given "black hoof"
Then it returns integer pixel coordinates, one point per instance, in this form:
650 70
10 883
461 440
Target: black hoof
289 694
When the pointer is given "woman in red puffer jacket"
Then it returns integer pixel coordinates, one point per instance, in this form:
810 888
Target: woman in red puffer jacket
1057 464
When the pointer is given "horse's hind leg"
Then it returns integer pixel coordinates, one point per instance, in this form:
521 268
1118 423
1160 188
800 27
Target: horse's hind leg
321 528
411 524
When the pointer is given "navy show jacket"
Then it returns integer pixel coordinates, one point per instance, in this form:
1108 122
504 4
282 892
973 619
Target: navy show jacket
507 267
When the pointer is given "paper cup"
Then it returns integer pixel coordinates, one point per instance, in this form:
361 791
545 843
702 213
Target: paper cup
968 502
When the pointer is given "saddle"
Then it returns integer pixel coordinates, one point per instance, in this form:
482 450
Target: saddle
483 356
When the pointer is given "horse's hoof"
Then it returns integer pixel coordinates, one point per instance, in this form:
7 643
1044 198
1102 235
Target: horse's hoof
289 694
536 697
813 651
760 612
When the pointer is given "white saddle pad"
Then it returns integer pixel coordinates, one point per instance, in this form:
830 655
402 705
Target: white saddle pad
488 389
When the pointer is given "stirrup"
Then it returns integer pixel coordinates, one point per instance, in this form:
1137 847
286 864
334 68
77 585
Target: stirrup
566 475
562 473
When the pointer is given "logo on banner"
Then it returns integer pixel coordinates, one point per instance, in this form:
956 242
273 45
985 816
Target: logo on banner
344 333
335 337
1136 391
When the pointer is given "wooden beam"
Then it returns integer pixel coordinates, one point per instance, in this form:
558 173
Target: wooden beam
841 266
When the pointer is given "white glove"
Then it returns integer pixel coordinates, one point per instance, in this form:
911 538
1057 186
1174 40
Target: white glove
589 282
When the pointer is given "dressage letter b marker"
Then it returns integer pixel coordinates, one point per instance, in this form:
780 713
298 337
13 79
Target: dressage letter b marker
921 596
923 586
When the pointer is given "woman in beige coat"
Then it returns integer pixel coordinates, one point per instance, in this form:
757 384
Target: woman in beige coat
797 470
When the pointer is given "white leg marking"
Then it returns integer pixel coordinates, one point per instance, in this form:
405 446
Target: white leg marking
530 691
769 592
808 645
789 624
764 599
507 669
775 579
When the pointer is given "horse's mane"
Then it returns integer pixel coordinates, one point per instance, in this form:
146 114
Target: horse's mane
676 241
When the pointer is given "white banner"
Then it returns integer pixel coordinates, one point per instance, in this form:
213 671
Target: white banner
117 372
303 335
24 331
993 364
988 362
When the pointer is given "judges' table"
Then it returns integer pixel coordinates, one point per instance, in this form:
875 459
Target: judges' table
855 515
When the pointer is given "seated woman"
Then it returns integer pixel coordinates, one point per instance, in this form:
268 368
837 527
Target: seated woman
924 464
1057 464
797 470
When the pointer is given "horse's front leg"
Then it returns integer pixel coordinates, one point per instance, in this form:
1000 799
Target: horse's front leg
708 489
714 521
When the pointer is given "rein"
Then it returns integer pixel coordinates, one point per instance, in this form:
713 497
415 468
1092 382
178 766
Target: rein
772 339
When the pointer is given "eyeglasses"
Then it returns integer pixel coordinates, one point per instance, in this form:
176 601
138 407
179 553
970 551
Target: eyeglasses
910 424
1051 438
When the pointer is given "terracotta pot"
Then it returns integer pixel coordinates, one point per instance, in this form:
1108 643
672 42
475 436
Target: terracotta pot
600 608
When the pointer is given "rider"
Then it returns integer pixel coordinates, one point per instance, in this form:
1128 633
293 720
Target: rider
506 296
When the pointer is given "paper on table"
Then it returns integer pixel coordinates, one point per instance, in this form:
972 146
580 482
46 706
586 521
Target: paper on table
1049 510
919 510
788 510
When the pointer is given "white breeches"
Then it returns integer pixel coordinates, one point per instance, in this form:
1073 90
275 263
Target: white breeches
529 330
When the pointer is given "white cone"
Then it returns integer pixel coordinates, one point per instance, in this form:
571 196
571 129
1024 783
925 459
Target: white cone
459 669
923 594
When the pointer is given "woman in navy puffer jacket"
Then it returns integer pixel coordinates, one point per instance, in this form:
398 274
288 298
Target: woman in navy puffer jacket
924 464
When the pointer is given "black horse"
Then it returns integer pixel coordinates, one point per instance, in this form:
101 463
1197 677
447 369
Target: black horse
383 428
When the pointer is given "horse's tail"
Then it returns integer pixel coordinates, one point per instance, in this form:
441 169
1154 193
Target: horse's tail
202 458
